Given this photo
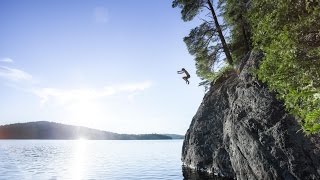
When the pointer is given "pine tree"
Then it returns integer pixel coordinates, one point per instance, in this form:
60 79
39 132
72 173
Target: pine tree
234 13
206 42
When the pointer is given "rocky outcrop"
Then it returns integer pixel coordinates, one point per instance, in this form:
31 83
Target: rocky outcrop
242 131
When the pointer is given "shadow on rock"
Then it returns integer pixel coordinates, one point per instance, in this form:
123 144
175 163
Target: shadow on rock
189 174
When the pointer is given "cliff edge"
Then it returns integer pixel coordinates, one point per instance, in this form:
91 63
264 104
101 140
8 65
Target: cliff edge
242 131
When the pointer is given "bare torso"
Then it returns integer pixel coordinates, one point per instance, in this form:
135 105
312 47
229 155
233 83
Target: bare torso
186 72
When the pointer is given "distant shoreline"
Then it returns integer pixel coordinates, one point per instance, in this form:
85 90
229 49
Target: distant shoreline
93 139
44 130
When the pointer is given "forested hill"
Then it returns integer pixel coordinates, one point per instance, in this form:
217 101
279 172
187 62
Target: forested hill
51 130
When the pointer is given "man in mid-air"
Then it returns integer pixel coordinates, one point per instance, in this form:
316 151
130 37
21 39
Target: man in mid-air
186 73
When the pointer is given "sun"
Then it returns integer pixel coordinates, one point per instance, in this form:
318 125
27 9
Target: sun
82 138
84 113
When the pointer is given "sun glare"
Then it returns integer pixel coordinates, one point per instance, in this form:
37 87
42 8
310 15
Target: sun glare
82 139
77 166
81 112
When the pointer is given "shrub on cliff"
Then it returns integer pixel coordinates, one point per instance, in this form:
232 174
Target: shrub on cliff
288 32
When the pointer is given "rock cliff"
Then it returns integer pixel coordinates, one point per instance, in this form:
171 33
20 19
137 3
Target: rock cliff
242 131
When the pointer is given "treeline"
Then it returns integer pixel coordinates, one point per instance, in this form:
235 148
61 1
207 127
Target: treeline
51 130
287 32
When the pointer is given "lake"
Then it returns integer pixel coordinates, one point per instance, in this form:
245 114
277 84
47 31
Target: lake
93 159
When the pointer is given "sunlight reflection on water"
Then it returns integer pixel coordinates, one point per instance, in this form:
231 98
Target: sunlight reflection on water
89 159
78 161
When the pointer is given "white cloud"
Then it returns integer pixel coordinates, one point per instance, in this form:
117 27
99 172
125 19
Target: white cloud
6 60
65 96
14 74
101 15
68 96
135 86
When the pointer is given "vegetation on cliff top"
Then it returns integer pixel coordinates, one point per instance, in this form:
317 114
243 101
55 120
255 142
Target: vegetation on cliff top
286 31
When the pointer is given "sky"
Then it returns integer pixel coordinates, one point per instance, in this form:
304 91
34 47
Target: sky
110 65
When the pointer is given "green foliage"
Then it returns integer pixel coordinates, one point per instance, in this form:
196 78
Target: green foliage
189 8
201 43
206 42
218 76
282 30
287 31
234 14
223 73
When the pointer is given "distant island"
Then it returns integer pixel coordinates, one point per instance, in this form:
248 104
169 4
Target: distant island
52 130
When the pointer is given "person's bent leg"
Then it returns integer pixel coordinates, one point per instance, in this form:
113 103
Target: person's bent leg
185 78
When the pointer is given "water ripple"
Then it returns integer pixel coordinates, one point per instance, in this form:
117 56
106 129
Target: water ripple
120 160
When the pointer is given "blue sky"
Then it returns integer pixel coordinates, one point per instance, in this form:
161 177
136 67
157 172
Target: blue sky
109 65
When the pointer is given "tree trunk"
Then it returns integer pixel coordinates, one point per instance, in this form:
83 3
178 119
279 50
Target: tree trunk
244 33
223 41
243 27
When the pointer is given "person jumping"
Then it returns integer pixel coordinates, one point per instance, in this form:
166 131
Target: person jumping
185 77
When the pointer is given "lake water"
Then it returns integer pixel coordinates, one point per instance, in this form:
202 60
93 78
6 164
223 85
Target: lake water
82 159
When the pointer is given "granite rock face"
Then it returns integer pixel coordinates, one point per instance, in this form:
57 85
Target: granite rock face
242 131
